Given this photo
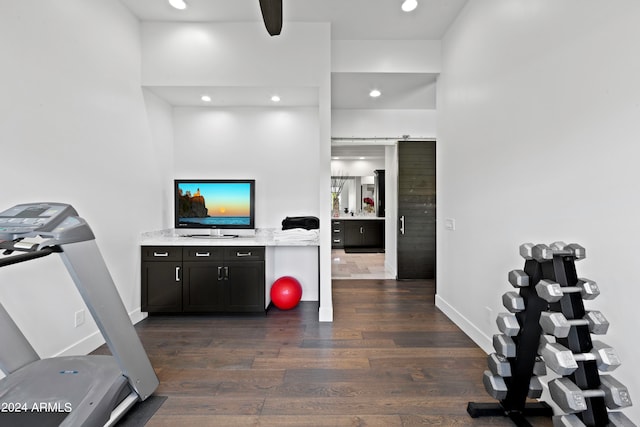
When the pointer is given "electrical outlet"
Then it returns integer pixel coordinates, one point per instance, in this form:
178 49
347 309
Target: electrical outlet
79 318
450 224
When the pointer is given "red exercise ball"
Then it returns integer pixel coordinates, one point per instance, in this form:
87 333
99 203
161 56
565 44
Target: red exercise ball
286 292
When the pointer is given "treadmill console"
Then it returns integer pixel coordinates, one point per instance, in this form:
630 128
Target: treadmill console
57 221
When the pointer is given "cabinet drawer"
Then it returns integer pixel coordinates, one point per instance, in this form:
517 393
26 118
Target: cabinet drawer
161 253
202 253
244 253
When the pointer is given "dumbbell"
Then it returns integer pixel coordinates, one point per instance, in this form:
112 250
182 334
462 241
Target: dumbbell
564 362
495 385
556 324
500 365
542 252
553 292
518 279
504 345
497 388
513 302
616 419
571 398
508 324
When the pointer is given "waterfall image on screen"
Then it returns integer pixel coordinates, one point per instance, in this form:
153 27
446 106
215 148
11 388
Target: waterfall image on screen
225 204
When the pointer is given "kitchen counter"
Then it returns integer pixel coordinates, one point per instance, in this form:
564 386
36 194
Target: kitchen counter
355 217
262 237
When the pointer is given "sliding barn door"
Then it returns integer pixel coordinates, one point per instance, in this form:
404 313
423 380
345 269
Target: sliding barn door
416 210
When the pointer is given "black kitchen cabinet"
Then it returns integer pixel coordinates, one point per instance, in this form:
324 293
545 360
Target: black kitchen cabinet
337 234
366 233
206 279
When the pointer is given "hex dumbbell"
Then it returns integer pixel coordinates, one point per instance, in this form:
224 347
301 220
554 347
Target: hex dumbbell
518 279
513 302
553 292
504 345
564 362
542 252
500 365
494 385
556 323
508 324
497 388
616 419
571 398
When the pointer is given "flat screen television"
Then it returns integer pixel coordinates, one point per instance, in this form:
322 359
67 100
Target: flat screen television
215 203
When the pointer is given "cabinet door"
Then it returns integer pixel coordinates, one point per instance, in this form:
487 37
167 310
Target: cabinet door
353 234
204 287
245 281
373 236
161 287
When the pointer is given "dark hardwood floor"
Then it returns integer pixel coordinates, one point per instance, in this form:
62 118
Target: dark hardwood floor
390 358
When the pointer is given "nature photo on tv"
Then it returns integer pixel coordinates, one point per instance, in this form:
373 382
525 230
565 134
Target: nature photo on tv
214 203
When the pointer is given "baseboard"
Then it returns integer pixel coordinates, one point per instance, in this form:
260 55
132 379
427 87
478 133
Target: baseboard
94 340
483 341
325 314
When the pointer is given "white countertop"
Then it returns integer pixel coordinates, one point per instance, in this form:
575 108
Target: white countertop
262 237
362 217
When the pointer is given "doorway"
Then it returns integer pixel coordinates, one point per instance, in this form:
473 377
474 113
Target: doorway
410 196
358 225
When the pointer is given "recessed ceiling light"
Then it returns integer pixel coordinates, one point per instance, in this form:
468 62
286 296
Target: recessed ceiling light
178 4
375 93
409 5
206 98
275 98
362 158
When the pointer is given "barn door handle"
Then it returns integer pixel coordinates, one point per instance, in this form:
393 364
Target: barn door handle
402 225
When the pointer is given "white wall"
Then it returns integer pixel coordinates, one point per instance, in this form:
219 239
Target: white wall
373 124
160 115
233 54
74 129
274 146
538 141
385 56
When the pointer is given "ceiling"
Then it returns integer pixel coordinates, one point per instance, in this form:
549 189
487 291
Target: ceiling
350 20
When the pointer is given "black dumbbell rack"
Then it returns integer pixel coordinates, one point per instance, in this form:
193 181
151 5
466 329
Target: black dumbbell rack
555 264
515 405
561 269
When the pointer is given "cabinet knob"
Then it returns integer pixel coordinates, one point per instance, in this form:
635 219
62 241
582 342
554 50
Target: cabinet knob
161 254
177 274
203 254
242 254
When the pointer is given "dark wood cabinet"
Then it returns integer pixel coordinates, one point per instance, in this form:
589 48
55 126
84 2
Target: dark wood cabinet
204 279
161 279
337 234
366 233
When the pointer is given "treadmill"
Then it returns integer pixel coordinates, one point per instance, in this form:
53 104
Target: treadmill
93 390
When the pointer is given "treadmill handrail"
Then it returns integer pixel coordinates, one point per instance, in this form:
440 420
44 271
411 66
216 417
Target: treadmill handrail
15 259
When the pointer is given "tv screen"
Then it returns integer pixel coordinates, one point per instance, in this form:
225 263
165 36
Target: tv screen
215 203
